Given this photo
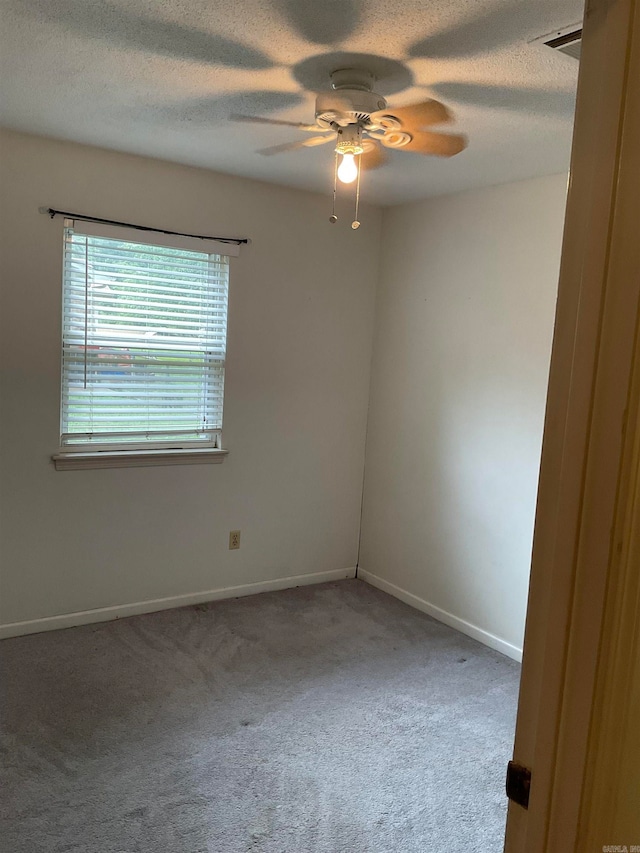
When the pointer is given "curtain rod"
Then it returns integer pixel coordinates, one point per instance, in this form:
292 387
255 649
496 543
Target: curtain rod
237 240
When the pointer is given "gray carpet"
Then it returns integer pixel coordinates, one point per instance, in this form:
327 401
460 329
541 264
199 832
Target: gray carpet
327 719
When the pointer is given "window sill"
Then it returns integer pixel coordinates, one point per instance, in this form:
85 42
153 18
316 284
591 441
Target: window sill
137 458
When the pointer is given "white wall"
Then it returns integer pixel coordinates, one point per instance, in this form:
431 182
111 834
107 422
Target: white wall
300 328
464 322
463 332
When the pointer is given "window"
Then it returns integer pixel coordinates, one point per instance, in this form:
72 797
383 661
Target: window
143 342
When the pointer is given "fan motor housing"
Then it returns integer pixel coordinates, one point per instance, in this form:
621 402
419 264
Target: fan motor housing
347 106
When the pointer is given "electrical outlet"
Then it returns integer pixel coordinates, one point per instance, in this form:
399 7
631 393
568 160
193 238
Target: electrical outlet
234 540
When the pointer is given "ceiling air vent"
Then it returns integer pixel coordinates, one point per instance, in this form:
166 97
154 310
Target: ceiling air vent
566 41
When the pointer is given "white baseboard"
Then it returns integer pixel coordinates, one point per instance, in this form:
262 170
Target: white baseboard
443 616
119 611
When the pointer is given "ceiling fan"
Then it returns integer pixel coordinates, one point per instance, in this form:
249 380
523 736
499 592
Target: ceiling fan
361 125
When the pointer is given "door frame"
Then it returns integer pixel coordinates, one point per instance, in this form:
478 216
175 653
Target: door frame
583 552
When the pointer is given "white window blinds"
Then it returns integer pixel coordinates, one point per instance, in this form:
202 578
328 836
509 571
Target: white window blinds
144 339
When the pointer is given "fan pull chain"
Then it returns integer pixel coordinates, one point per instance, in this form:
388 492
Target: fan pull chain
333 218
356 223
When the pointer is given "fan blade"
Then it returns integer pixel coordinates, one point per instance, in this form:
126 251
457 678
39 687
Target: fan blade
373 156
312 141
416 116
291 146
437 144
313 128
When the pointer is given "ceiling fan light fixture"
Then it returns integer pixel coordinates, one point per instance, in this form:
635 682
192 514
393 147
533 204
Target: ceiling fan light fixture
349 140
349 144
363 126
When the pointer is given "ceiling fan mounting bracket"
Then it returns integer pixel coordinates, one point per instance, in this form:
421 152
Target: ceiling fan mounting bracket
352 100
352 78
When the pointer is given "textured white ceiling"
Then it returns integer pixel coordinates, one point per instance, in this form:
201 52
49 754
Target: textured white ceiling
161 77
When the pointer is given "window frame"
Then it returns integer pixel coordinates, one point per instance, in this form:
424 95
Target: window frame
85 454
